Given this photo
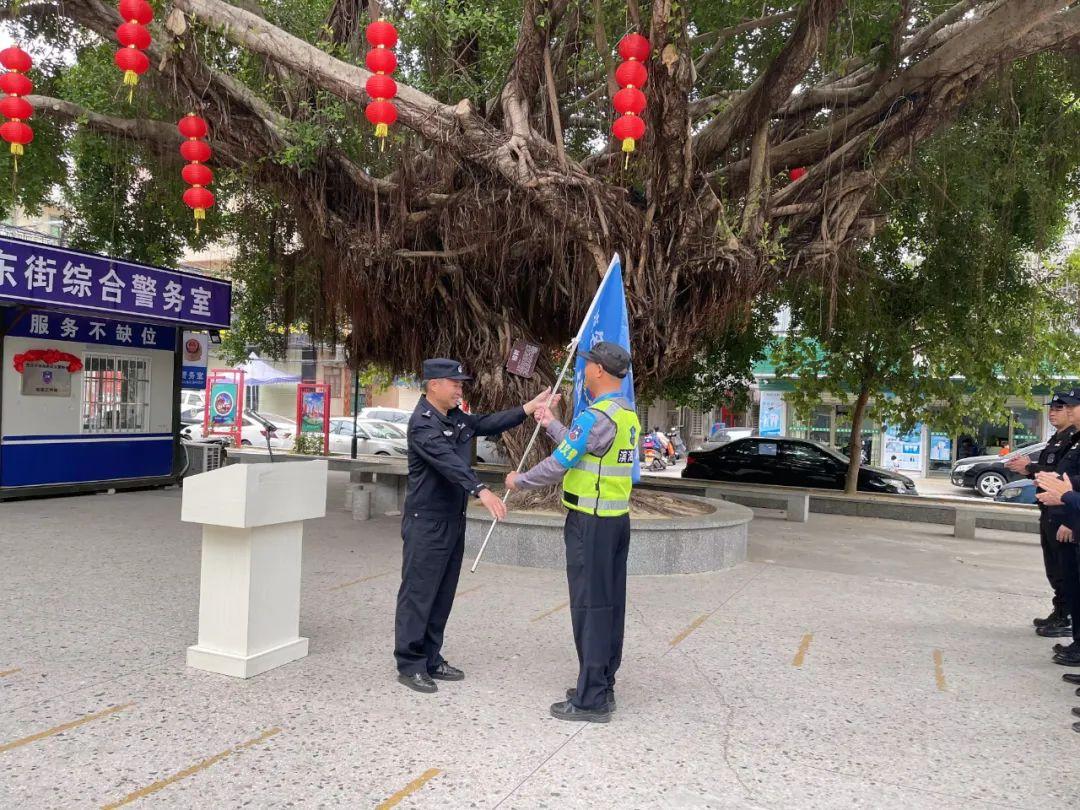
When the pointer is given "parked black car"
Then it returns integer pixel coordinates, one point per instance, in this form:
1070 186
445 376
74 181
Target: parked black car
988 474
790 463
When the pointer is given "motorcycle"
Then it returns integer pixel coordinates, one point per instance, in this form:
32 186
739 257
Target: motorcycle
653 455
675 436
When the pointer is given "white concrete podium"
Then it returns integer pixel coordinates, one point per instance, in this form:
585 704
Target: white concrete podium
249 602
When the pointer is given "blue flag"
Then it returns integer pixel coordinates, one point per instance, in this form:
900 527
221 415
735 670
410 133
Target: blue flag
607 320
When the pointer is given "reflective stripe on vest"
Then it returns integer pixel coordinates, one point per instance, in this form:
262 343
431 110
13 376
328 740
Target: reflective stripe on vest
601 485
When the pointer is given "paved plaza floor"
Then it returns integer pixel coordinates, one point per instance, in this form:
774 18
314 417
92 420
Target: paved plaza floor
850 663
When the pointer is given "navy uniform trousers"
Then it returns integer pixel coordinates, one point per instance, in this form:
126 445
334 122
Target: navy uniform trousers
430 568
596 551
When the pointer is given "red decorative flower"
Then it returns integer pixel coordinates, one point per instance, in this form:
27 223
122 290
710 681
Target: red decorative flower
50 357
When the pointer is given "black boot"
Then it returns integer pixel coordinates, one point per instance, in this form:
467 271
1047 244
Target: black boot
571 693
1054 614
1058 628
568 711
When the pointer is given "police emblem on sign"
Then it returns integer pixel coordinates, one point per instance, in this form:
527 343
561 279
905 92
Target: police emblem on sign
626 456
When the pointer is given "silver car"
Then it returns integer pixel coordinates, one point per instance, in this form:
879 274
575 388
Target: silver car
373 437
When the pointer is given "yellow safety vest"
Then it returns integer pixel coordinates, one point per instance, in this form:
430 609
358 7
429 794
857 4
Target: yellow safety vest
600 485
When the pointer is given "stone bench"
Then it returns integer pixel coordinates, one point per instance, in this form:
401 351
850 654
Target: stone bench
966 518
794 502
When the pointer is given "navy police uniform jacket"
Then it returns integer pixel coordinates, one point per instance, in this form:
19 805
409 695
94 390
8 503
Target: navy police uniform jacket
441 478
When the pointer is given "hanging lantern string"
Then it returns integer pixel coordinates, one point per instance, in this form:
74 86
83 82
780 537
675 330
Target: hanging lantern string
629 103
380 87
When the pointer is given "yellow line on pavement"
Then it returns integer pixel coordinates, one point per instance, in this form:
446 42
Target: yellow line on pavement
362 579
7 672
694 625
470 590
803 648
194 769
547 613
939 671
409 789
62 728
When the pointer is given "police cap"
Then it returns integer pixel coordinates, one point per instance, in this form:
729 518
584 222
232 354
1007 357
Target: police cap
1070 397
439 368
612 357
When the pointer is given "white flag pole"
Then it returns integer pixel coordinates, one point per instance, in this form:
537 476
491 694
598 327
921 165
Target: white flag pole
571 355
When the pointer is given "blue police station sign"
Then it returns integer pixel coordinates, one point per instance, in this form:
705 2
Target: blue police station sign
84 282
82 329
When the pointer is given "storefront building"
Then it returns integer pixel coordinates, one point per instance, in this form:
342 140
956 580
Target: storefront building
91 367
919 451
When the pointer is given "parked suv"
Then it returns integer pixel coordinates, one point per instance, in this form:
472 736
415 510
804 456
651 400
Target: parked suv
988 474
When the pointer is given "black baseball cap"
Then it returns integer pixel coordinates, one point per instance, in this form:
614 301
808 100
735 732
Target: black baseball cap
612 357
1070 397
440 368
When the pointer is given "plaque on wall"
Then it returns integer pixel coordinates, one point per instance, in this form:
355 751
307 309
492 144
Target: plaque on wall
40 379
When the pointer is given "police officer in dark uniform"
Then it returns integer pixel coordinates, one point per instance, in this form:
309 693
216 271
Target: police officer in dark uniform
433 519
1058 557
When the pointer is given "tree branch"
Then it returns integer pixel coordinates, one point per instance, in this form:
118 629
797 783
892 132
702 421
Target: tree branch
773 86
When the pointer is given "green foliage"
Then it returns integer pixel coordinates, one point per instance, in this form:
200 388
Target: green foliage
308 444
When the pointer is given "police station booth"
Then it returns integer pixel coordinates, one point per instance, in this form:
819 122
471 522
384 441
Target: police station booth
91 374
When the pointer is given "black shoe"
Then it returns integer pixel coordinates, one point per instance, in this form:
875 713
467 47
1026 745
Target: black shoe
572 693
420 682
568 711
1078 692
1076 727
1071 677
1056 629
1055 614
1076 711
1068 659
445 672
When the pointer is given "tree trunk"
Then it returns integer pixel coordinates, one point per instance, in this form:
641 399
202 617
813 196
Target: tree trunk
855 445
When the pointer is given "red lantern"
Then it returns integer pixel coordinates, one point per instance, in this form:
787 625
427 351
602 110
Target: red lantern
16 84
138 11
628 128
797 173
381 114
191 126
134 63
16 132
634 46
200 199
380 60
15 58
15 107
196 151
631 74
381 87
629 100
133 35
196 174
382 36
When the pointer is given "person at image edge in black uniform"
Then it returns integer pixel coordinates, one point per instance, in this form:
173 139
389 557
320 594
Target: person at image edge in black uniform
1056 554
1058 490
441 480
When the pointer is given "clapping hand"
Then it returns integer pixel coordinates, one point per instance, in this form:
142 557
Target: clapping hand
1018 464
1054 488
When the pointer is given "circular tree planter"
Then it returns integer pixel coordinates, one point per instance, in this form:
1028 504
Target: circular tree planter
692 544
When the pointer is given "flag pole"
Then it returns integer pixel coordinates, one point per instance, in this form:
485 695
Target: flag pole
571 355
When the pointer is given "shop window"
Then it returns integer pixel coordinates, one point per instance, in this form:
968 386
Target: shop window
116 394
332 377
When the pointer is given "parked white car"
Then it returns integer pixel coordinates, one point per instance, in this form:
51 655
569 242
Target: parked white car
373 437
284 433
253 432
398 416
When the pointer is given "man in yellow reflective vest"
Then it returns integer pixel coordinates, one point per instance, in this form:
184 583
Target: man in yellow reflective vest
594 461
